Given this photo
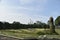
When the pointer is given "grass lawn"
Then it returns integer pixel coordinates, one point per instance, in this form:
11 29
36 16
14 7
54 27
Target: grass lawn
22 33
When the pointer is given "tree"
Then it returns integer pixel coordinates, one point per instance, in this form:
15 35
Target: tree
38 22
6 25
57 21
41 24
16 25
51 24
1 25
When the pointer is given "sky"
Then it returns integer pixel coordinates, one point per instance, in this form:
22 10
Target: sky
25 10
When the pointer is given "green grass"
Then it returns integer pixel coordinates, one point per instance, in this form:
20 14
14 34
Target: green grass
22 33
58 31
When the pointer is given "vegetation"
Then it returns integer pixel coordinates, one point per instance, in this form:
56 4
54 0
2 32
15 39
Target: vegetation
34 32
57 21
30 30
17 25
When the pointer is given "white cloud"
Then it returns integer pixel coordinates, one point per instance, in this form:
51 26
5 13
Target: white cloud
20 17
30 1
40 17
25 1
33 5
9 15
14 17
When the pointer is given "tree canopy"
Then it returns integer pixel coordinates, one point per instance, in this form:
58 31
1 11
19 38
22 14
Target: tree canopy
57 21
18 25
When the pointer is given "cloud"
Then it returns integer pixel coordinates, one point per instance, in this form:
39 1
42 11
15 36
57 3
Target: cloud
9 15
32 1
21 13
14 17
33 5
25 1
